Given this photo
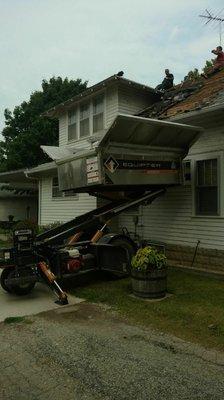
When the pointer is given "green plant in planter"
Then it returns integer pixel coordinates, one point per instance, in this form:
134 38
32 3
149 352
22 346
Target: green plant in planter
149 273
148 259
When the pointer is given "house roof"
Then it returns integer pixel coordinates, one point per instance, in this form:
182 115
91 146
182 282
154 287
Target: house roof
188 96
18 175
66 105
41 170
16 183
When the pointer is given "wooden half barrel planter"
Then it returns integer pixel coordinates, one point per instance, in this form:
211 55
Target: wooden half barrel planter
149 284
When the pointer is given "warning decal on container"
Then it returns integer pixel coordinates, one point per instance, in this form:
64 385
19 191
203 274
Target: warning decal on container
111 164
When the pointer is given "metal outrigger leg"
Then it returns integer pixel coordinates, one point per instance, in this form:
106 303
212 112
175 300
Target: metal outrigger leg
50 279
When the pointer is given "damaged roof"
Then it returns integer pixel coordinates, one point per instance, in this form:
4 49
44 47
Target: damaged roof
188 96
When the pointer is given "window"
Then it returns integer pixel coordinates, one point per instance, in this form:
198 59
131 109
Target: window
72 126
84 120
87 119
207 187
55 188
98 108
56 193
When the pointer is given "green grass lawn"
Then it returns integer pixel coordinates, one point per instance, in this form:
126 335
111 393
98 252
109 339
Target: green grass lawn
195 311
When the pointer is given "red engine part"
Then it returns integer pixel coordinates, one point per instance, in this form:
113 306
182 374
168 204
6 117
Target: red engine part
74 264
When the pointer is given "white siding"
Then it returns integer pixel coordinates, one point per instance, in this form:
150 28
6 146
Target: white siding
61 209
18 207
169 219
132 101
63 130
211 140
111 105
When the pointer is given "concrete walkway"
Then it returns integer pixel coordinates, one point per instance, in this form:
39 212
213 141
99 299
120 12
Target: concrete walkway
86 352
40 299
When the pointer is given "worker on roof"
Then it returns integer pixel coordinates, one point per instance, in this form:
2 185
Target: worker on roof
167 82
218 63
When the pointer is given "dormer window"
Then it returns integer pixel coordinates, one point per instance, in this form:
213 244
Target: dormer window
72 125
98 115
84 120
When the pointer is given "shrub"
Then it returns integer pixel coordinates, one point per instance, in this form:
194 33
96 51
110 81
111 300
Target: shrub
44 228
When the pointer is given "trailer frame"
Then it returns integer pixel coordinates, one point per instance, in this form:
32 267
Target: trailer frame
81 245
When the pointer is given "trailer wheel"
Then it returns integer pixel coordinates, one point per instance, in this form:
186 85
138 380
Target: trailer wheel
4 276
19 290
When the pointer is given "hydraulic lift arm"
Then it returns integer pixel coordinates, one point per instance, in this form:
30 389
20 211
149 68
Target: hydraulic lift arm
98 217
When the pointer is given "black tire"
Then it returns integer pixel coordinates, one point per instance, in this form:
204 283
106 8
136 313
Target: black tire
4 276
127 245
19 290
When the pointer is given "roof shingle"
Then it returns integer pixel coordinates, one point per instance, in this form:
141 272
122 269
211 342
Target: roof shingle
189 96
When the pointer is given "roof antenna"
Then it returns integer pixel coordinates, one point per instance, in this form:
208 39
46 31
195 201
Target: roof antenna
217 18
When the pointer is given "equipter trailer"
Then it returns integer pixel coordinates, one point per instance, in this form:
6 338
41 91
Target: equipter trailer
70 249
131 163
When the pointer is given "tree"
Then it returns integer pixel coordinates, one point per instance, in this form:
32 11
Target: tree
194 75
26 129
208 65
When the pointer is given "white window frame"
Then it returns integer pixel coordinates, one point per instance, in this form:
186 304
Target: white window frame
63 196
220 183
91 115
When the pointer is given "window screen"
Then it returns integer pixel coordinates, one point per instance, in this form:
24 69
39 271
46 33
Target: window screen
84 120
72 126
207 187
55 188
98 115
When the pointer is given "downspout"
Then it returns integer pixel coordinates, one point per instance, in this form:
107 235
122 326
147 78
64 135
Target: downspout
39 194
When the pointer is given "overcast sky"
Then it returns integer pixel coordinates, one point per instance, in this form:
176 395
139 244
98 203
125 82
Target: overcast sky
93 39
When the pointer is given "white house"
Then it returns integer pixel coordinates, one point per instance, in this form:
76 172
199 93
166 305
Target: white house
18 196
82 120
189 219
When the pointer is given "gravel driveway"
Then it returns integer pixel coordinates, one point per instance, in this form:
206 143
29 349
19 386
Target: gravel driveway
86 352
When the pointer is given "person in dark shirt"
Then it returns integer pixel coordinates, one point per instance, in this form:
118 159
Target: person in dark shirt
167 82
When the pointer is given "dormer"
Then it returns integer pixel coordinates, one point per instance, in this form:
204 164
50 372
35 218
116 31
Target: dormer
90 114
